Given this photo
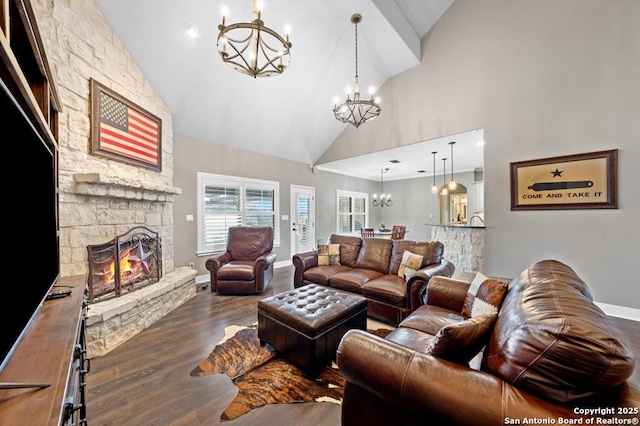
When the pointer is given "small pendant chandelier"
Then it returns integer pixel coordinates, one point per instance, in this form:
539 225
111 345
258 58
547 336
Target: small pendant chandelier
252 48
445 190
434 187
452 183
382 199
356 111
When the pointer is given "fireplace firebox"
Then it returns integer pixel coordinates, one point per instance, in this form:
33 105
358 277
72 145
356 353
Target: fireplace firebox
128 262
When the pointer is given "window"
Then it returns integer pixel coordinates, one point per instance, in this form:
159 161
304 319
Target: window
226 201
352 212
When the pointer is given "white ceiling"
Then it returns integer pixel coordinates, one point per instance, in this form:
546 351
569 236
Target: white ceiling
288 116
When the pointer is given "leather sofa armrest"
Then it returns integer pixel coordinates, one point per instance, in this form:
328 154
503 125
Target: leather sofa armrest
264 261
302 262
213 264
418 282
446 292
422 386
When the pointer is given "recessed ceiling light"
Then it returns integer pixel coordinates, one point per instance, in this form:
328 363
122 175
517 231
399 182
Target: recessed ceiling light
193 30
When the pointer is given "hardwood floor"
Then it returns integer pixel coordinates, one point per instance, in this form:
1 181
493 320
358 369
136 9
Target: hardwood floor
146 380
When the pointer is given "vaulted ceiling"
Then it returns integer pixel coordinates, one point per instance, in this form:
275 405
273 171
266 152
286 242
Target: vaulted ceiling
288 116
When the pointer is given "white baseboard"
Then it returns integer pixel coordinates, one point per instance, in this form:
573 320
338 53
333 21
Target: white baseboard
620 311
282 264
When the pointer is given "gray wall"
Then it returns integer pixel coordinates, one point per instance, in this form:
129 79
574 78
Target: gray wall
542 78
192 156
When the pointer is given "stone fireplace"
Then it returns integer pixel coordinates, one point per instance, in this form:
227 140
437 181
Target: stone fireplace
99 207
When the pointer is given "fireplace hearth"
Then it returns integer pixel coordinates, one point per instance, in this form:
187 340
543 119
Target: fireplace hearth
128 262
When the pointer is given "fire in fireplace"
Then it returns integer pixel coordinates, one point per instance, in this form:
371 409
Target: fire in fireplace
128 262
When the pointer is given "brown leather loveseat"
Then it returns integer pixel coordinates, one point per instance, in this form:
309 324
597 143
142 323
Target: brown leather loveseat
374 267
552 357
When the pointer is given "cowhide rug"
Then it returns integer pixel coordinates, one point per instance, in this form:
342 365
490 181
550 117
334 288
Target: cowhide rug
263 377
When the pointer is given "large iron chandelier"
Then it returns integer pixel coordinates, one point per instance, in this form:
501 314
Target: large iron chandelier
382 199
252 48
357 111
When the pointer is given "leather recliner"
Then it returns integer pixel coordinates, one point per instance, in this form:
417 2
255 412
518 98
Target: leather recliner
246 267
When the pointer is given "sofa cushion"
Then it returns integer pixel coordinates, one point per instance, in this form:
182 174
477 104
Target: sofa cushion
410 264
321 274
329 254
249 242
462 341
485 295
353 279
431 251
349 248
374 254
430 319
390 288
551 340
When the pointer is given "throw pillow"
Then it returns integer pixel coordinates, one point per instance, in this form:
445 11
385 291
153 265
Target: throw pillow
329 254
461 341
410 264
485 295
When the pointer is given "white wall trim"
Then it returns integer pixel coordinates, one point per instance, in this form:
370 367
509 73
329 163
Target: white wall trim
620 311
282 264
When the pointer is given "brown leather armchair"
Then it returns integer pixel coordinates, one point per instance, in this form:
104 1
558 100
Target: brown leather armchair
246 267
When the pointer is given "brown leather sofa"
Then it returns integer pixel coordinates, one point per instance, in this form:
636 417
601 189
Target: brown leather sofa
369 266
551 355
246 267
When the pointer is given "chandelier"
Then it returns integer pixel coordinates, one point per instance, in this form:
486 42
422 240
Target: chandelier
434 187
253 49
356 111
383 199
452 183
445 189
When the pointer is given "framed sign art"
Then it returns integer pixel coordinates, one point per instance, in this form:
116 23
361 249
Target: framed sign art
581 181
123 131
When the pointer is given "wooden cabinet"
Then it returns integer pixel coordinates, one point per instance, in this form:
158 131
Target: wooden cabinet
53 353
43 376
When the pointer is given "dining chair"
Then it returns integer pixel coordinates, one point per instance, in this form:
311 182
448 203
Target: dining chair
397 232
367 233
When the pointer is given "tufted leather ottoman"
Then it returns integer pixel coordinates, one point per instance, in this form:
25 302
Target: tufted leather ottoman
306 324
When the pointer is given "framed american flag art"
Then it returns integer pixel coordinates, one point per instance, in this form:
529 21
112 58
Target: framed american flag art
123 131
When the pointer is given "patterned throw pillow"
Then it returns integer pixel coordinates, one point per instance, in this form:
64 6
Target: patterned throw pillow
485 296
410 264
461 341
329 254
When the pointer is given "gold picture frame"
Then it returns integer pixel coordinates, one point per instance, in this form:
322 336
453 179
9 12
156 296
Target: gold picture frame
580 181
121 130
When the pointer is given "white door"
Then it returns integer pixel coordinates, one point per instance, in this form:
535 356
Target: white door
303 219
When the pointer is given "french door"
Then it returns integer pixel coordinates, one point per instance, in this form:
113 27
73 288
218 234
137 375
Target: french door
303 219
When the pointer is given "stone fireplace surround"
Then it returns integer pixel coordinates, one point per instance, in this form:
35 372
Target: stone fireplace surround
99 207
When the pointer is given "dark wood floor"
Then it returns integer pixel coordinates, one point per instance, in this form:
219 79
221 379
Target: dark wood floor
146 380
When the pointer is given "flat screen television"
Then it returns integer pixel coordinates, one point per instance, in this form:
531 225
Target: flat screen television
30 237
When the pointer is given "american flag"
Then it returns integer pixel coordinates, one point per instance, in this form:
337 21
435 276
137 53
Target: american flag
127 132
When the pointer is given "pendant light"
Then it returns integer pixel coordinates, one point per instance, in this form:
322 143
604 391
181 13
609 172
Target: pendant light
434 187
444 191
452 183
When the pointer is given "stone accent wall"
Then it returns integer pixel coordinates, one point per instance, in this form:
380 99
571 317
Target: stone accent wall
99 197
463 245
114 321
81 45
